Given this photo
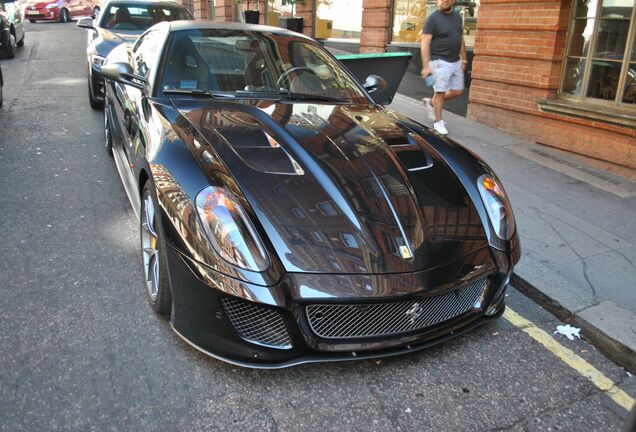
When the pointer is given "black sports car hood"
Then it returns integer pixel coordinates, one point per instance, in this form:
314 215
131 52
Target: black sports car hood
341 188
107 40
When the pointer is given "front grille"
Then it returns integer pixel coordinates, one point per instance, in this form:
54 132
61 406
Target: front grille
257 324
347 321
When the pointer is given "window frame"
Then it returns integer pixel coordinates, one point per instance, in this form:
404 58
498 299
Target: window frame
589 58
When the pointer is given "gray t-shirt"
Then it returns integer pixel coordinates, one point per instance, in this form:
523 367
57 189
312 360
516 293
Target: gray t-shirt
447 34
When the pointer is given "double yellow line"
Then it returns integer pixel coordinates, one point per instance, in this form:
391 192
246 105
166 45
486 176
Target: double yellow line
605 384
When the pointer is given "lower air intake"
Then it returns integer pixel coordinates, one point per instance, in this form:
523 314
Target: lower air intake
257 324
349 321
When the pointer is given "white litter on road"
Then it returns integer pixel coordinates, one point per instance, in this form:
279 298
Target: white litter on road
568 331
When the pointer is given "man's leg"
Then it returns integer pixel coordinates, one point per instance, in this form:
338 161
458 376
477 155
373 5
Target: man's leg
438 104
453 94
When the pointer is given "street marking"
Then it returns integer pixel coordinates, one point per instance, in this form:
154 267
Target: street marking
571 359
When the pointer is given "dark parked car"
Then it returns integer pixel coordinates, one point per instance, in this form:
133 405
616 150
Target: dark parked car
11 27
284 216
120 22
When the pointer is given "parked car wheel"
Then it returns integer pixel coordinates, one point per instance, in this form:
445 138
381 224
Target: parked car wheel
94 102
8 44
64 16
31 21
107 130
153 252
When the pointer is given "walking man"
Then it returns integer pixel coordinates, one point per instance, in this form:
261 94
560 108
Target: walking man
443 56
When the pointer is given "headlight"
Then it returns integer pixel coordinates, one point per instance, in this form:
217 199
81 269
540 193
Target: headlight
497 206
51 6
97 60
229 230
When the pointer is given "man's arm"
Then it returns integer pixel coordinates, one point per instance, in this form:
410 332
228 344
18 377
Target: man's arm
426 53
462 54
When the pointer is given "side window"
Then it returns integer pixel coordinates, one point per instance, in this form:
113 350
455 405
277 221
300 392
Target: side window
146 51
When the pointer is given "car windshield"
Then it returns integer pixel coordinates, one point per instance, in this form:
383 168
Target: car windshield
255 64
139 16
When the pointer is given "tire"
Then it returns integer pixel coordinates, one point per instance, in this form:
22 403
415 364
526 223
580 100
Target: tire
154 260
7 44
64 16
31 21
92 100
108 131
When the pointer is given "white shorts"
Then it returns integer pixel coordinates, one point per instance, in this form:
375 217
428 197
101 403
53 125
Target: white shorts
448 76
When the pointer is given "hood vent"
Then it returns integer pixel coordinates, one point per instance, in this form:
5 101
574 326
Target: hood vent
261 151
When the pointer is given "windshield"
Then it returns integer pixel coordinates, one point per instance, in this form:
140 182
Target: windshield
251 63
139 16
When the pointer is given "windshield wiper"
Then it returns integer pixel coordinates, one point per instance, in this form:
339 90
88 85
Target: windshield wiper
199 92
307 96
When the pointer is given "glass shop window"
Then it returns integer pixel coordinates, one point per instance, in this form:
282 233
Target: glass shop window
600 62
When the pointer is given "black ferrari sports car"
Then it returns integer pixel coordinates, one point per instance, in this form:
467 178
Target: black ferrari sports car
285 217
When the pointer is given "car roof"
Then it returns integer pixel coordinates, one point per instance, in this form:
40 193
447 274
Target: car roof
203 24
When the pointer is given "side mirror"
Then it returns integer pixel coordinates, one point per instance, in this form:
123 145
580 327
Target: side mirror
374 84
86 23
123 73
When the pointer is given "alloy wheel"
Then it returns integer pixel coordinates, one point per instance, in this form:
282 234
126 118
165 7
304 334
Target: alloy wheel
150 248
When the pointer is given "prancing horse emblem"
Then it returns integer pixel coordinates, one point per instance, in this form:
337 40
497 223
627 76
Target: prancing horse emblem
414 312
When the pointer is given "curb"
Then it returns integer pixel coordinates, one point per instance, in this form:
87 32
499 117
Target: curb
611 344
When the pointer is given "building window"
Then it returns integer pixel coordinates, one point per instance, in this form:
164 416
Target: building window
409 17
601 52
326 208
341 19
298 213
317 236
349 240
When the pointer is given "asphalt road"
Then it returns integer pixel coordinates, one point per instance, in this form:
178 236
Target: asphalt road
81 350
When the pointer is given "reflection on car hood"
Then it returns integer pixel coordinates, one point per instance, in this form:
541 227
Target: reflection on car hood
342 189
107 40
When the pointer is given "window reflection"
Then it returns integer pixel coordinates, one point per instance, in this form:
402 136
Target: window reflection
409 17
341 19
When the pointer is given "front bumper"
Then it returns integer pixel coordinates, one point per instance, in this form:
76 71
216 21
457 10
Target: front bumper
199 316
43 14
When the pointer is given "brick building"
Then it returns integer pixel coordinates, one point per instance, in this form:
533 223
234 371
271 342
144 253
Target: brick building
558 72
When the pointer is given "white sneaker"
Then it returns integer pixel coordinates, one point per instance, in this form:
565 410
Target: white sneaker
440 127
430 109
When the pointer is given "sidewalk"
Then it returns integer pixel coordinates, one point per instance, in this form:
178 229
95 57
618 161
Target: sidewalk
577 226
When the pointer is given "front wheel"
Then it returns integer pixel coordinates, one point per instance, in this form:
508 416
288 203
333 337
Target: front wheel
64 16
95 103
108 133
8 43
153 253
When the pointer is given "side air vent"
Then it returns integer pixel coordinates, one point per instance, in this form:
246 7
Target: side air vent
257 324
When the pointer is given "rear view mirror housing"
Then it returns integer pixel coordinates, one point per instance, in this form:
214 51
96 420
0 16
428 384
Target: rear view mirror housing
86 23
123 73
374 84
